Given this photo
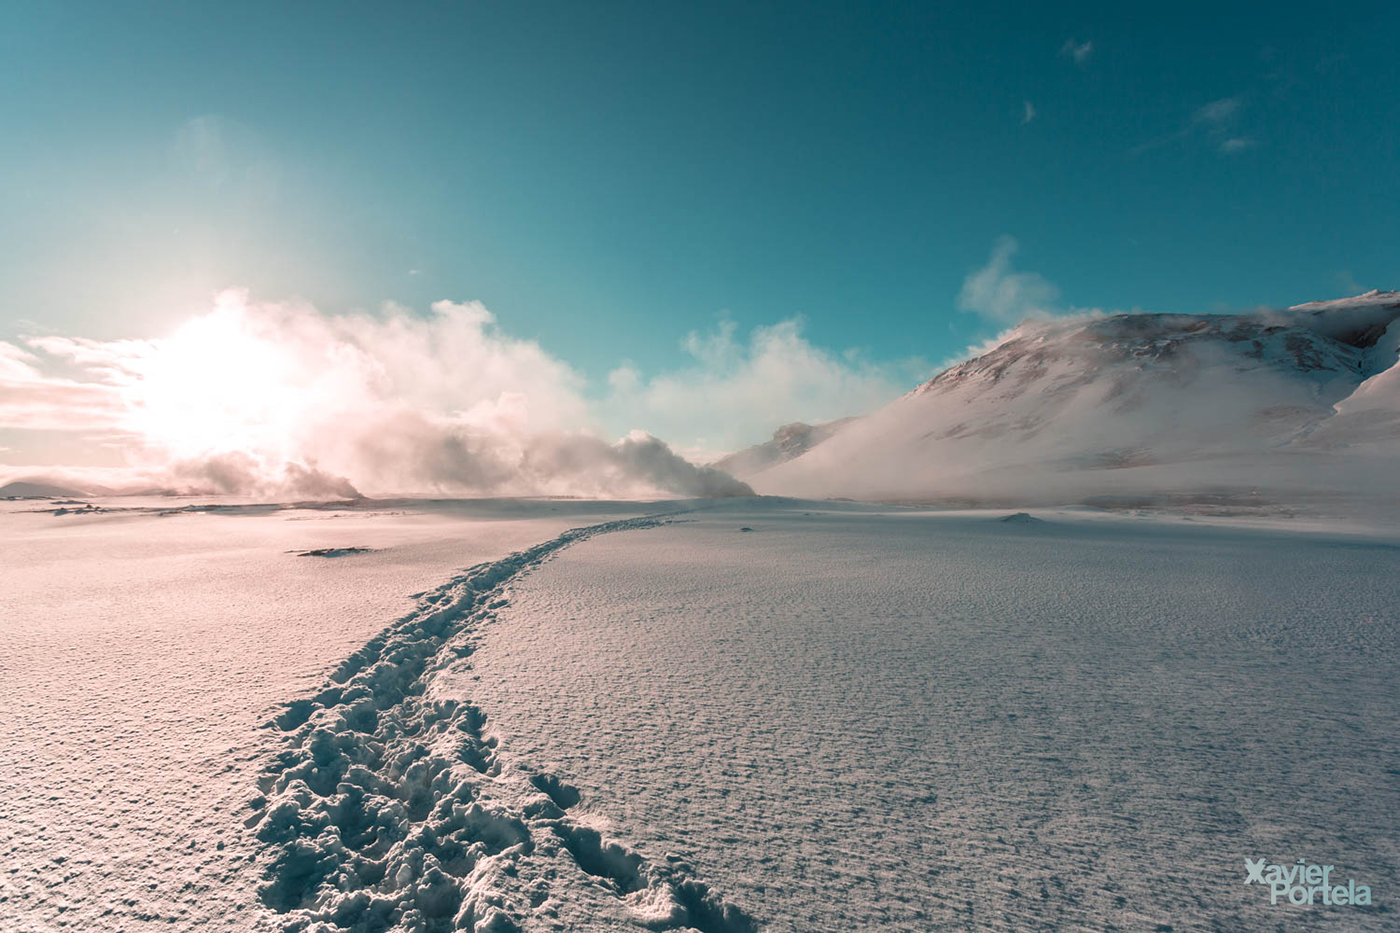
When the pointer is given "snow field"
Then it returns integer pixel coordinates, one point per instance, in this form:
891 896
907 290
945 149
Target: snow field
139 656
904 721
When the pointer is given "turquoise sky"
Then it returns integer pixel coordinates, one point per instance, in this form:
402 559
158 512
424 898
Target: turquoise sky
607 177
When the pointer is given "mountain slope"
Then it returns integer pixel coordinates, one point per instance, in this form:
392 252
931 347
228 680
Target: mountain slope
1134 403
789 441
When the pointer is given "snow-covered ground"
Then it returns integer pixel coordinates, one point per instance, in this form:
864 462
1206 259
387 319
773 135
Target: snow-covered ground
854 720
141 651
755 714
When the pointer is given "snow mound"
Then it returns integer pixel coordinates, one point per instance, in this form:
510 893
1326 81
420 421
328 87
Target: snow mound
393 807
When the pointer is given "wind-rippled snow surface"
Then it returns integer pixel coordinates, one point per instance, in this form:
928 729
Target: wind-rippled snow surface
848 721
755 715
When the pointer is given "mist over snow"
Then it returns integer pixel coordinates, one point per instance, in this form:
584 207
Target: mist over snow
278 399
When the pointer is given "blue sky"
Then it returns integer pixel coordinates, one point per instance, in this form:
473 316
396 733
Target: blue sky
608 178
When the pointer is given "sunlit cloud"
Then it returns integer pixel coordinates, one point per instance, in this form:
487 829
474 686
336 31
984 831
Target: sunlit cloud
33 400
278 398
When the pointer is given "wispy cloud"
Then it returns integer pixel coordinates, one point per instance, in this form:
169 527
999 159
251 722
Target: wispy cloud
1219 120
33 399
1216 122
1349 284
1217 113
1028 114
998 293
1077 51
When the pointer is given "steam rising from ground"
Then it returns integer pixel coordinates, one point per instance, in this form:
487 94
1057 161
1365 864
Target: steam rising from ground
280 400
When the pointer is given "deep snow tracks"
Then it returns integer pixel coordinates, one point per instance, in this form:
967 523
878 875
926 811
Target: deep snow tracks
392 807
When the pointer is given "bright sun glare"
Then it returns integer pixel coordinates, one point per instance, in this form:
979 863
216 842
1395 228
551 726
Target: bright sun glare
216 384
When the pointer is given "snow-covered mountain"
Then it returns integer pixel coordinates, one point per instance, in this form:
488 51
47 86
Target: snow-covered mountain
789 441
1268 404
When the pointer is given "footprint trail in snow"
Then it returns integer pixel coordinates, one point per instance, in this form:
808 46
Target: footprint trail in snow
392 807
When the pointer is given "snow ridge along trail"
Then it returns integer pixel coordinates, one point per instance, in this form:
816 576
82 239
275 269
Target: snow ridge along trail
393 808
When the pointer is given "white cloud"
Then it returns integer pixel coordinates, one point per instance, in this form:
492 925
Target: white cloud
279 399
737 391
269 397
1028 114
1078 51
998 293
31 399
625 378
16 363
1219 120
1219 112
1215 123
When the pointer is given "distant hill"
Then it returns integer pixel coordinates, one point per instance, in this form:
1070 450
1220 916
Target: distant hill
24 488
789 441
